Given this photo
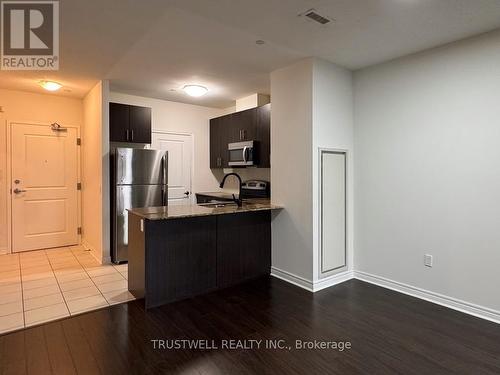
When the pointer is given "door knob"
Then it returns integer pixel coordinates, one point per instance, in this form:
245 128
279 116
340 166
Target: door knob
19 191
186 193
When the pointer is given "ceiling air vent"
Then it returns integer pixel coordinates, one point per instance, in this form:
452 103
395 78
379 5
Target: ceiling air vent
315 16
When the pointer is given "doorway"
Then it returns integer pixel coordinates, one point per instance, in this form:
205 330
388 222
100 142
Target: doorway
180 155
44 186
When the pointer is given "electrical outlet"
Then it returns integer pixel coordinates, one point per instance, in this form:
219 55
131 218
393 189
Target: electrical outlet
428 260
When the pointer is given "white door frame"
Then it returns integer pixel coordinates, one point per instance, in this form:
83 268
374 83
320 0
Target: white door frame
10 125
191 172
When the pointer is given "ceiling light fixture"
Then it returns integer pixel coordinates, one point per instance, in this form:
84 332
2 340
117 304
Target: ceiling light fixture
195 90
50 85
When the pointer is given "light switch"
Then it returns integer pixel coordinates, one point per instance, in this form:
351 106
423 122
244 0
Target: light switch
428 260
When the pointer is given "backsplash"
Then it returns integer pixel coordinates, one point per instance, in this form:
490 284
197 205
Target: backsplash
245 174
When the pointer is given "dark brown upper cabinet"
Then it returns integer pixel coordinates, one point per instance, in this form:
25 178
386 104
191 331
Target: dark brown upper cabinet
250 125
263 134
244 125
129 123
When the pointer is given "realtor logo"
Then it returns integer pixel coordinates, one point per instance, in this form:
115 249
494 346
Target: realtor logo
30 35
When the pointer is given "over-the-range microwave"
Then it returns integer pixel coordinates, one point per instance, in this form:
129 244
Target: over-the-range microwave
241 154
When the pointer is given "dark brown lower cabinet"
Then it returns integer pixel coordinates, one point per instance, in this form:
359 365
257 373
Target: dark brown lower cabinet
243 247
178 258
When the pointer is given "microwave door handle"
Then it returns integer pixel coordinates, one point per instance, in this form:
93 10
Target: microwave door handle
245 149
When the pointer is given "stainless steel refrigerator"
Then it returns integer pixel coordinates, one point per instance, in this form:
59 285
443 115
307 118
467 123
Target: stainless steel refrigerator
139 179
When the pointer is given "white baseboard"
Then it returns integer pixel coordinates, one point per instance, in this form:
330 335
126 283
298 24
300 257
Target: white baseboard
308 284
446 301
292 279
332 280
450 302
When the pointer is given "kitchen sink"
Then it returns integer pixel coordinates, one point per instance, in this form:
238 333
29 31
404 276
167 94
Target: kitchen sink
217 204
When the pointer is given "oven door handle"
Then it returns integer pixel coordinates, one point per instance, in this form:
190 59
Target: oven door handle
245 149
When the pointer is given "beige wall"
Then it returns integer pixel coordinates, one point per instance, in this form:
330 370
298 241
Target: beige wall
184 118
19 106
3 185
93 236
252 101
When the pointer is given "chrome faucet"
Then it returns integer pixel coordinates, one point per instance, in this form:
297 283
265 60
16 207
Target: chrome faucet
238 200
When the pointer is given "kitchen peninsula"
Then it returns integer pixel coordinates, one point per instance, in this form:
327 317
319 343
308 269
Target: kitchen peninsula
177 252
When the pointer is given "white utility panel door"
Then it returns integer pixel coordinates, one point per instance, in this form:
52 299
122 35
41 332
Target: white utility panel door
180 151
333 211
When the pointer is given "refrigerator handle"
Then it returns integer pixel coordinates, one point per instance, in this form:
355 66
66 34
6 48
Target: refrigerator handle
164 188
164 169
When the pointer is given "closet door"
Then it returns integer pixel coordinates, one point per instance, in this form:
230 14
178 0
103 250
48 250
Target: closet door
332 212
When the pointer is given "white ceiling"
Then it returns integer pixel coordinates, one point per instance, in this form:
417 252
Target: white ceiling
154 47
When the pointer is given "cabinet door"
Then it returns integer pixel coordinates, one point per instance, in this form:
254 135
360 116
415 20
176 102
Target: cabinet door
243 247
180 258
221 133
119 126
215 135
244 125
140 124
227 134
263 135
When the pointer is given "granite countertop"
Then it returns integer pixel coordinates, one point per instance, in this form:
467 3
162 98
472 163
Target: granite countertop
191 210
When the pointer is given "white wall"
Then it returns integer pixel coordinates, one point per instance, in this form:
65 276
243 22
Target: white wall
332 128
312 108
20 106
95 172
291 174
427 170
252 101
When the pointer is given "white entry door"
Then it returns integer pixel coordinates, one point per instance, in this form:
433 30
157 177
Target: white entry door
44 187
180 151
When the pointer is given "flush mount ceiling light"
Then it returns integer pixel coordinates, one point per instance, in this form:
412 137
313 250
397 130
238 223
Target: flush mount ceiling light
50 85
195 90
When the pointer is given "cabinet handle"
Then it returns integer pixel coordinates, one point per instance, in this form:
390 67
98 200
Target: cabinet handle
127 134
240 136
132 134
219 161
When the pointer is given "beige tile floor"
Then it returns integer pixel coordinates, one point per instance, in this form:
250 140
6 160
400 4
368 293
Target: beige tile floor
44 285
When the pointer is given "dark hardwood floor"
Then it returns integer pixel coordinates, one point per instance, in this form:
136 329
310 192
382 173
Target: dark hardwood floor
389 332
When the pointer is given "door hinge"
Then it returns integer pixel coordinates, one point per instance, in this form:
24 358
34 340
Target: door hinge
78 141
79 186
79 230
